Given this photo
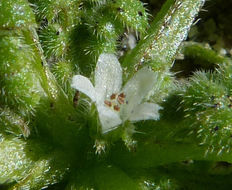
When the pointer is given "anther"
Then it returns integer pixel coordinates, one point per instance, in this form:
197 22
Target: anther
122 95
108 103
120 100
116 108
113 96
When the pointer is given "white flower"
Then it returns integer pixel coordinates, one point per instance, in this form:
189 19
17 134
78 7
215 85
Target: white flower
116 105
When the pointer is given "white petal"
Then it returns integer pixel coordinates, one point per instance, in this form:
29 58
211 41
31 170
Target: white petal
84 85
145 111
109 119
108 76
136 89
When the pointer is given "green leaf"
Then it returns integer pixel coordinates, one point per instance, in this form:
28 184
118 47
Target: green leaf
15 14
167 31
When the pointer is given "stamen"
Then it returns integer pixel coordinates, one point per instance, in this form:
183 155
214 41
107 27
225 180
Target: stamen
120 100
113 96
116 108
108 103
122 95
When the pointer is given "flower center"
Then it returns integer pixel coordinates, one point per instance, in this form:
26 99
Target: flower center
115 101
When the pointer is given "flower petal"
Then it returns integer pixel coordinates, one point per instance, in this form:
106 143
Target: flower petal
145 111
109 119
84 85
108 76
136 89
